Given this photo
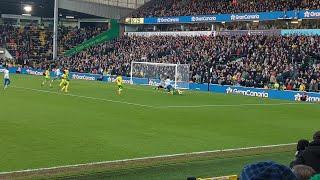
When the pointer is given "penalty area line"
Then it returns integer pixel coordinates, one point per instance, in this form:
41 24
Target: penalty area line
146 158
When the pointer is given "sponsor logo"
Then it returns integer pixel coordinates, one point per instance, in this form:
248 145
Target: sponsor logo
244 17
183 33
167 20
36 73
263 94
311 14
298 96
153 83
83 77
203 18
126 81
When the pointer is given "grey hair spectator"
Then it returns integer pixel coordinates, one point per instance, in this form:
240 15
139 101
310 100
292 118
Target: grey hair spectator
303 172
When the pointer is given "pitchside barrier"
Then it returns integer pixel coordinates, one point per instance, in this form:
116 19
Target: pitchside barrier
243 91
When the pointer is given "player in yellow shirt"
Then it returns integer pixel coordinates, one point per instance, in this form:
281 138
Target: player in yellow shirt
119 82
302 87
46 80
67 72
65 75
64 82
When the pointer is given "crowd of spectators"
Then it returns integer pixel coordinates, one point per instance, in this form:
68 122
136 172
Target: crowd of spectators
160 8
263 25
70 37
34 43
27 42
279 62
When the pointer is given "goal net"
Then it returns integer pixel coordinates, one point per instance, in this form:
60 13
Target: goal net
156 73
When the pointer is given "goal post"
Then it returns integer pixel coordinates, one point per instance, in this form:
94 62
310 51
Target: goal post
156 73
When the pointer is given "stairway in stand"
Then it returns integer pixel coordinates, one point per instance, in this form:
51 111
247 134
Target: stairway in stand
42 38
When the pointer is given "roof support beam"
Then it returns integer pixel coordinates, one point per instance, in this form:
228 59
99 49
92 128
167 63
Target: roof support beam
96 9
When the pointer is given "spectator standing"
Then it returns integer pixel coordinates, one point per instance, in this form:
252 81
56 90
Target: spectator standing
267 170
311 155
301 147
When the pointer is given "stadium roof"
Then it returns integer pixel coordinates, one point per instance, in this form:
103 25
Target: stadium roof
131 4
78 8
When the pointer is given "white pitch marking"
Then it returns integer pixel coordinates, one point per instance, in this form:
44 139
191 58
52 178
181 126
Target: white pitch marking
85 97
151 157
145 158
162 107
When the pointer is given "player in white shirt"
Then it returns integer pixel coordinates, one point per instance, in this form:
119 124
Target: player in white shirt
6 78
57 73
167 85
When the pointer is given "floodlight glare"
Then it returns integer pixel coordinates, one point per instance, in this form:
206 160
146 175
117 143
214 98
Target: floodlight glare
27 8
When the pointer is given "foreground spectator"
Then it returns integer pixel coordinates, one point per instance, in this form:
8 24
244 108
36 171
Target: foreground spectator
303 172
301 147
316 177
267 170
311 156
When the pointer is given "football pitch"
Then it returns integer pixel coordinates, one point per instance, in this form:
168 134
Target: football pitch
42 127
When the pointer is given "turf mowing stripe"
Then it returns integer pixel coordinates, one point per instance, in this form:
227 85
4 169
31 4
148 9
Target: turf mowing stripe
85 97
150 106
145 158
238 105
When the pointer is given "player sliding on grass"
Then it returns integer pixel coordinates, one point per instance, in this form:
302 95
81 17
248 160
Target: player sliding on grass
170 89
6 78
64 81
168 86
46 80
161 85
119 82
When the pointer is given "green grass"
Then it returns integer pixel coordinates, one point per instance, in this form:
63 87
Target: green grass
43 129
203 169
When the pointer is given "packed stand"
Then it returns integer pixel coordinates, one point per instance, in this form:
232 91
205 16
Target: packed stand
161 8
277 62
34 43
70 37
26 43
